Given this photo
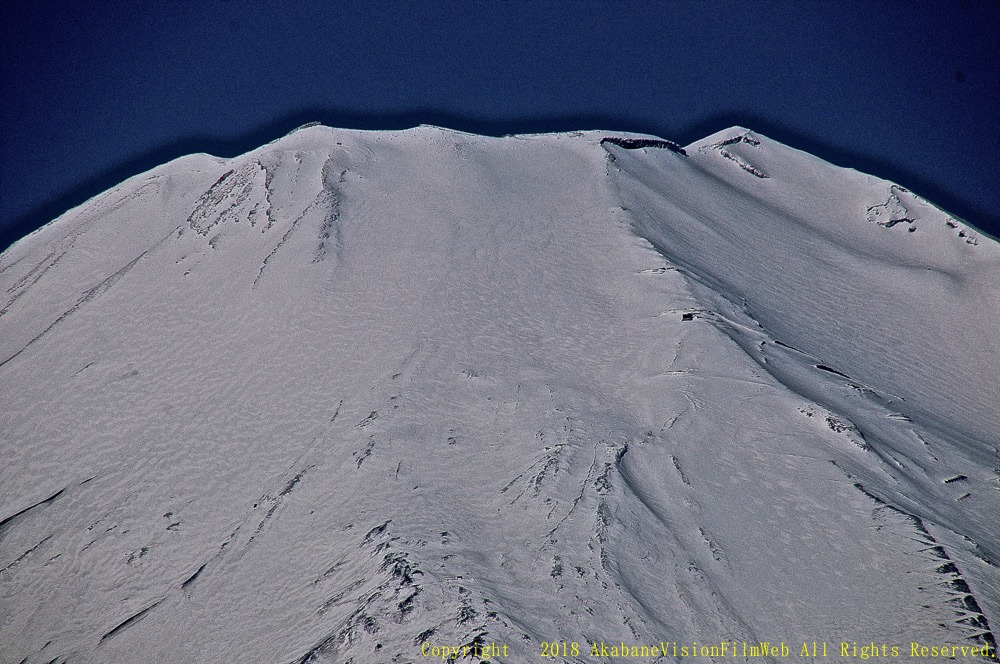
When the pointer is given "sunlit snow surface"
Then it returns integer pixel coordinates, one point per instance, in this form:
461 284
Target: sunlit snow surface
354 392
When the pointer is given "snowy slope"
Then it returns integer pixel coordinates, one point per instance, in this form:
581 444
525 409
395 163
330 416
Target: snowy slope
356 392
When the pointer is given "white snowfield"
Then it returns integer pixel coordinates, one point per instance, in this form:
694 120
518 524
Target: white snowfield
360 396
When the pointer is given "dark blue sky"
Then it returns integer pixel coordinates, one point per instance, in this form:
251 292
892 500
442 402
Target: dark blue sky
94 92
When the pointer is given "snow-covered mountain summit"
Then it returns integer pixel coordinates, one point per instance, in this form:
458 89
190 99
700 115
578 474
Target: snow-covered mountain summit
355 395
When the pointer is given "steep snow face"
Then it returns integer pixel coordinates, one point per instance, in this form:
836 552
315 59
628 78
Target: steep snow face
356 393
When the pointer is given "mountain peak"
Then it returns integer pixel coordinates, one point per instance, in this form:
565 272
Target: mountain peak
361 396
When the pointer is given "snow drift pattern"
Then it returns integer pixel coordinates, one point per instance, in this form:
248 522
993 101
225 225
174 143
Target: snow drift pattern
354 394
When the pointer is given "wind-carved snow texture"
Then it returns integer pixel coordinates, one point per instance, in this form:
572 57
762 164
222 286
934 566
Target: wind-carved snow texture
358 393
914 463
